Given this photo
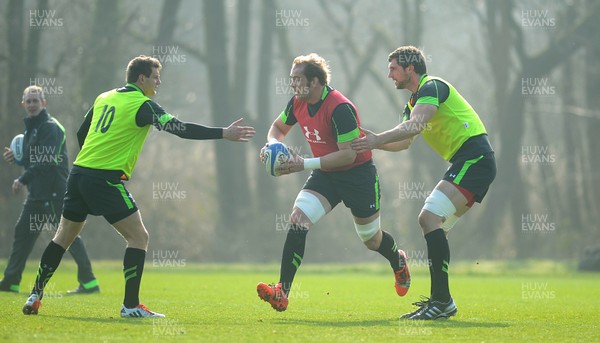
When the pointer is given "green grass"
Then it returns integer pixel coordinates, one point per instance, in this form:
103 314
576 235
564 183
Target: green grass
498 302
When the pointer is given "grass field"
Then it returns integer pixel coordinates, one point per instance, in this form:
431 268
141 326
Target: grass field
497 302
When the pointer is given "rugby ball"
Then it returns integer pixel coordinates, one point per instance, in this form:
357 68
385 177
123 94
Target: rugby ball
16 146
274 155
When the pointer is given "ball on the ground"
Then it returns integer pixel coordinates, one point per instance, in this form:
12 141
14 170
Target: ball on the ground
16 145
275 154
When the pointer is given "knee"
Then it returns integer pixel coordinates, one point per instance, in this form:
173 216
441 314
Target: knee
373 243
299 219
437 207
429 221
422 219
138 239
67 232
144 237
308 209
370 233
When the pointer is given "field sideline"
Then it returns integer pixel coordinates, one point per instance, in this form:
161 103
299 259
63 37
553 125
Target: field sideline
530 301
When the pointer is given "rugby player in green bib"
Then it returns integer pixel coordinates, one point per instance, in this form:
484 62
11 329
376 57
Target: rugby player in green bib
453 129
111 138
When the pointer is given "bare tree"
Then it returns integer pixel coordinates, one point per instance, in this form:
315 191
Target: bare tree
263 95
232 180
510 62
168 21
592 80
21 58
99 59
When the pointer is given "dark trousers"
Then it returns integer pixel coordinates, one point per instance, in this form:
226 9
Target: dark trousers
37 217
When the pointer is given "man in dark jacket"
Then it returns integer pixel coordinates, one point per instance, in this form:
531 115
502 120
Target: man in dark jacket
46 169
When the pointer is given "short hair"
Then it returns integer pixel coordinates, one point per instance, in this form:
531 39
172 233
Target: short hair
141 65
314 66
407 55
34 90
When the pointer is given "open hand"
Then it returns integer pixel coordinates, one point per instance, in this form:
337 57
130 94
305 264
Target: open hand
366 143
237 133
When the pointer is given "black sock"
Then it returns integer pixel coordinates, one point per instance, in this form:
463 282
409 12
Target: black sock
439 255
293 252
431 277
389 250
48 264
133 266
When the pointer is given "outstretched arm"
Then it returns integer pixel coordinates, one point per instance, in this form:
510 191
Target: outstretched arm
150 113
421 114
237 133
397 146
233 132
393 146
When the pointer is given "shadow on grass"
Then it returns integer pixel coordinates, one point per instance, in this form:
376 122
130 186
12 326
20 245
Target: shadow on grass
112 320
450 323
394 322
382 322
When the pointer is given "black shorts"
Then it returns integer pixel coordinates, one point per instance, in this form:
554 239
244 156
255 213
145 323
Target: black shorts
358 188
96 195
475 175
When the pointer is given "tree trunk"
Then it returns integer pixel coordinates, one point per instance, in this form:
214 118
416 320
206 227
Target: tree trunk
100 59
168 21
507 196
22 68
12 116
16 70
498 50
239 83
33 44
593 127
232 175
265 115
239 89
573 189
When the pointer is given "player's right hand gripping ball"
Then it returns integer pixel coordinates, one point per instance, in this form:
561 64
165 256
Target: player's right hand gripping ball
274 155
16 145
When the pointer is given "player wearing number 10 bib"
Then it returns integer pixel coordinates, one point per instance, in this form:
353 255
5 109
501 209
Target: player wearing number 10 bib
111 139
